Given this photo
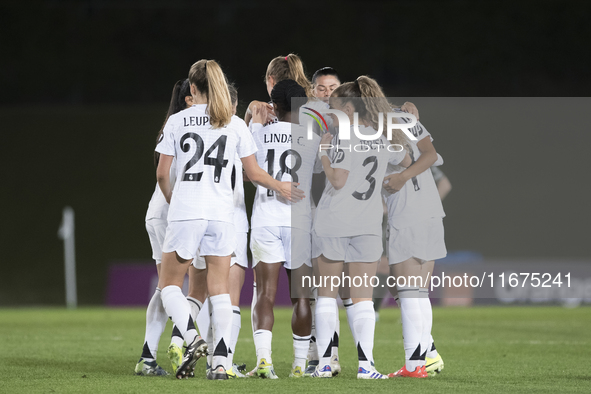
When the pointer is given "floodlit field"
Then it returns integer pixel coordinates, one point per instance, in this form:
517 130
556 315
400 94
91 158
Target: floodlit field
485 349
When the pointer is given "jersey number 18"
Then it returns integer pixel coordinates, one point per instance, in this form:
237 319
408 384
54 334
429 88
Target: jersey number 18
283 168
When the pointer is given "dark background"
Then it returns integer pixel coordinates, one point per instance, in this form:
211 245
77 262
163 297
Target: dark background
84 87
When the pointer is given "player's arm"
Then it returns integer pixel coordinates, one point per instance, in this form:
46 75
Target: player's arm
163 175
395 182
253 106
443 187
410 108
259 176
336 176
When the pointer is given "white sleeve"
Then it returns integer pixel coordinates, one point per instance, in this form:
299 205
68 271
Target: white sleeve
255 127
342 159
419 131
166 145
439 161
246 145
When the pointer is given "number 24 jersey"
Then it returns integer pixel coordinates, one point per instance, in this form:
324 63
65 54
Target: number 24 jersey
205 158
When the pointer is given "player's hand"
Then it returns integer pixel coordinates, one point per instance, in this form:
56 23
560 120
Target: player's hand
259 113
393 183
290 191
411 109
270 111
325 140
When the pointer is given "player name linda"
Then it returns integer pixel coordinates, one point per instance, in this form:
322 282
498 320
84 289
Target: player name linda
281 138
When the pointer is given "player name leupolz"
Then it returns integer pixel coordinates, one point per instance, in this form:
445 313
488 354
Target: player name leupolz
196 121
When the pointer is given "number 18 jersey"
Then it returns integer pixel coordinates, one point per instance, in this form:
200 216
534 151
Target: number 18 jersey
287 155
205 158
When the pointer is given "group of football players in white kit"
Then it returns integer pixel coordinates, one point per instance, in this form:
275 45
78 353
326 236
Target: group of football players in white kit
197 222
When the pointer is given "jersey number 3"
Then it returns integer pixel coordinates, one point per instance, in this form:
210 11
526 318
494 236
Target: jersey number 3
372 181
217 162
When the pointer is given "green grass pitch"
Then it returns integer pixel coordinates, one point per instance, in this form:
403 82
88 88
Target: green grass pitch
485 349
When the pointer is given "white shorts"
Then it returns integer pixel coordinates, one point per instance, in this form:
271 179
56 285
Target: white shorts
358 249
423 241
273 244
156 232
238 257
212 238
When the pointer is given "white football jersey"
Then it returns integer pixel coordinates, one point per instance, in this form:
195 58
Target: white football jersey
287 155
205 159
356 208
416 201
240 216
158 207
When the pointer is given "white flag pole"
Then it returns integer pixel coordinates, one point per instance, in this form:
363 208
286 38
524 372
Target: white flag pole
66 232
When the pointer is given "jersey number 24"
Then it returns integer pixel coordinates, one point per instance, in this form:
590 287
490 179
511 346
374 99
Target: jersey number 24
217 161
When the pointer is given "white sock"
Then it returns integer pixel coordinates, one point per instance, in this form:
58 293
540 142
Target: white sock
252 305
196 306
236 324
325 325
300 349
221 319
427 311
337 332
412 326
262 344
204 324
312 348
364 324
432 352
177 307
202 319
156 318
176 337
348 304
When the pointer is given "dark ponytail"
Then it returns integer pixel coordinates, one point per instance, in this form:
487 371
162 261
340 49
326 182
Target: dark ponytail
282 94
180 91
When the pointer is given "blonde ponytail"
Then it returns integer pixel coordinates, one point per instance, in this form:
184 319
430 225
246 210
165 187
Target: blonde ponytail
289 67
209 79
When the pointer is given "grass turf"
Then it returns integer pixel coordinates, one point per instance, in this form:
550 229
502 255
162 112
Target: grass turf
485 349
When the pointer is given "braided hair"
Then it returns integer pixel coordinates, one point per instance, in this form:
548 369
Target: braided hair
282 94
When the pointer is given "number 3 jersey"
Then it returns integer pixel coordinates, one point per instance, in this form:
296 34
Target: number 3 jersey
356 208
285 152
205 159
